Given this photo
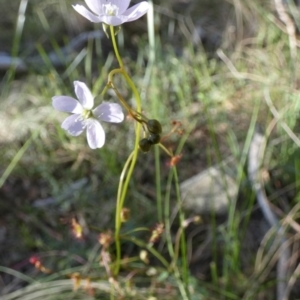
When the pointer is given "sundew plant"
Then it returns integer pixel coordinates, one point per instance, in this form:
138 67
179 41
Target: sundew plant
86 116
102 103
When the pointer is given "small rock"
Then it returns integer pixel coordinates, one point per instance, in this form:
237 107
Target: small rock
211 190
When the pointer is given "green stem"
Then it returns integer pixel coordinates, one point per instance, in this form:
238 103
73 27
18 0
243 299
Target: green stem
122 191
185 270
128 80
167 215
135 115
120 188
113 38
131 161
105 89
158 185
130 111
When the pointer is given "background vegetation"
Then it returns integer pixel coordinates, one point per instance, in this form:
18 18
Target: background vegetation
220 68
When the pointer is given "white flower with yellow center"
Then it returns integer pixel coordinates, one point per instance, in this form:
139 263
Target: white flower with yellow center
85 117
112 12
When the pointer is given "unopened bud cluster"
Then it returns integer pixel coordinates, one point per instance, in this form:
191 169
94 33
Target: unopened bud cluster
155 129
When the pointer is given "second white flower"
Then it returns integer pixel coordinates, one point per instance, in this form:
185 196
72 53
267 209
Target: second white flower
85 117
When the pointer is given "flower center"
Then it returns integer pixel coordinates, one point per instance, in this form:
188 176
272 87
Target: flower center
87 114
110 9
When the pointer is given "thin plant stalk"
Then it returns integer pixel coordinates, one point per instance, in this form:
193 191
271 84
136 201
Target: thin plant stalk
185 268
158 185
123 188
167 215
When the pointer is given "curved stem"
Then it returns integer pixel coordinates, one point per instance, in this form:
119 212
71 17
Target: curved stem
127 78
135 114
124 103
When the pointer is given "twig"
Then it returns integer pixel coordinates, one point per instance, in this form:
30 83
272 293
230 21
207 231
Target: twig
290 26
255 156
236 73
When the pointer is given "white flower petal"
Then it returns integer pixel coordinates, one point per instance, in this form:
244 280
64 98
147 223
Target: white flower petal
113 20
95 6
86 13
109 112
66 104
84 95
121 4
74 124
95 134
136 11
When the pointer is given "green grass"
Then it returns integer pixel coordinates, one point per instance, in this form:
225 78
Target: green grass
218 96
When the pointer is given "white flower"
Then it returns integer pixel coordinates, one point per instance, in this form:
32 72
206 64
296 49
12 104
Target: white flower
112 12
85 117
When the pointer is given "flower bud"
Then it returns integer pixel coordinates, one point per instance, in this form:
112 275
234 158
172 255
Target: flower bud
154 126
154 138
145 145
